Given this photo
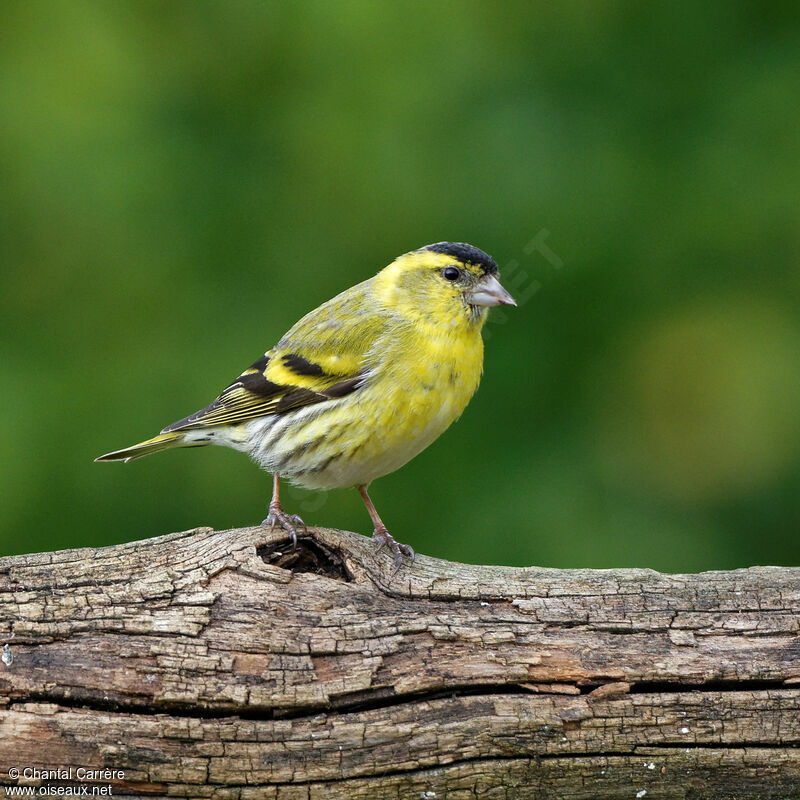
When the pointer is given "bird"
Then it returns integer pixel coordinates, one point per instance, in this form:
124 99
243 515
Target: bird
359 386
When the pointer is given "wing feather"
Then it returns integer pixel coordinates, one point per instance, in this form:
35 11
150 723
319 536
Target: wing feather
325 356
252 395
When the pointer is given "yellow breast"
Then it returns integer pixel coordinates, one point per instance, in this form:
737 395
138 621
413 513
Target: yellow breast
433 384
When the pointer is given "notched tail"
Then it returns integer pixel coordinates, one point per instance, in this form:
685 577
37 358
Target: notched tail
164 441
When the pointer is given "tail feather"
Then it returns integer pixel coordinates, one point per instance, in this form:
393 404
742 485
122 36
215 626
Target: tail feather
164 441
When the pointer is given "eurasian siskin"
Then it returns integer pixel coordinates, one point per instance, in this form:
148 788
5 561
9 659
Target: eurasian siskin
360 385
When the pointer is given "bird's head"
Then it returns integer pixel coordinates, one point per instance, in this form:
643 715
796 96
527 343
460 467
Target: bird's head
447 283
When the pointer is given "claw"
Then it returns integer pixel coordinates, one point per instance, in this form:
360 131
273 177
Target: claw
385 539
289 522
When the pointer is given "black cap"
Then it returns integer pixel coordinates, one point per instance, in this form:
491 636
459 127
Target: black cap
466 254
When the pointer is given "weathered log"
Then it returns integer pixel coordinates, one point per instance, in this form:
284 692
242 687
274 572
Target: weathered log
224 664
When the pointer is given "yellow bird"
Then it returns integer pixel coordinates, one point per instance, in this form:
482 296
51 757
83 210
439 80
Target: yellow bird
360 385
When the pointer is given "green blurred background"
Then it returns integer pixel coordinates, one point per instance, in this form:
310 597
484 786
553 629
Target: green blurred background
181 181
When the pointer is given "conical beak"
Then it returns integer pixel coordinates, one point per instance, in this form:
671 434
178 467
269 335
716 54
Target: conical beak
489 292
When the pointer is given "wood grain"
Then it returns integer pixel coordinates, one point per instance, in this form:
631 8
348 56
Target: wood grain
223 664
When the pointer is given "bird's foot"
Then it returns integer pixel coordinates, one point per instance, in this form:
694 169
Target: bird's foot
385 539
289 522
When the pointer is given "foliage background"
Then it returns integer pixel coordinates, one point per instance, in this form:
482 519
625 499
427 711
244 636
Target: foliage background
181 181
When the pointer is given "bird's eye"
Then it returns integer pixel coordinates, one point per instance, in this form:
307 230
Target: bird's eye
451 273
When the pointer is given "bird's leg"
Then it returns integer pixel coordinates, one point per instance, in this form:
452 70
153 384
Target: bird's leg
381 535
277 516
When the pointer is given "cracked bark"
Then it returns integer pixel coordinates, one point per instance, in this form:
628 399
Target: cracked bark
221 664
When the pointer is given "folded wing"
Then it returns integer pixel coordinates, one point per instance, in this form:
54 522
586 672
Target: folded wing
325 356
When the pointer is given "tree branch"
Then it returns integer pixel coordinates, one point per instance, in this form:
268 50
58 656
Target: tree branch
224 664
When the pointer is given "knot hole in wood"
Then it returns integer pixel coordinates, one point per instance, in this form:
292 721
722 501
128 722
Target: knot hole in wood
309 555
